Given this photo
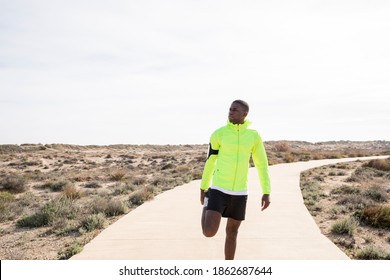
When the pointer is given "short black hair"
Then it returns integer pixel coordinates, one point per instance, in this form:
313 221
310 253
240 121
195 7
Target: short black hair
243 104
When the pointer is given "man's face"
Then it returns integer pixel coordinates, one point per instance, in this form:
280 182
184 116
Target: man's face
237 113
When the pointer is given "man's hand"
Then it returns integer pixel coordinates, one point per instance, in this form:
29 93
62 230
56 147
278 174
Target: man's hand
202 195
265 202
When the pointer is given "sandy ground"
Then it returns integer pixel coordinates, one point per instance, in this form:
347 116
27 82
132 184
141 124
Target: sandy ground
97 175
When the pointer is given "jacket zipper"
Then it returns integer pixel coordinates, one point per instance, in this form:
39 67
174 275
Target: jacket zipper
238 148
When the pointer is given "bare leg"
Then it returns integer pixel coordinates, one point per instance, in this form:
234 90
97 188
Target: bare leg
231 238
210 222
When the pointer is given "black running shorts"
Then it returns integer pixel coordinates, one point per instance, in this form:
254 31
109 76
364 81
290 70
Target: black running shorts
230 206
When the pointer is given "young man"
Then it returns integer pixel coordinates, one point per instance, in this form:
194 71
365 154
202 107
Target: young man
227 166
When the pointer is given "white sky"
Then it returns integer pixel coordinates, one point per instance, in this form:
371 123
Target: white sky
165 72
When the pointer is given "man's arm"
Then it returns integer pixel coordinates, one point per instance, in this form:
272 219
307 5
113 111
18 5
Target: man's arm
260 160
209 167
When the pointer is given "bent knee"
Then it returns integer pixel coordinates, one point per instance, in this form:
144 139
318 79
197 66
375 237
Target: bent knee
209 233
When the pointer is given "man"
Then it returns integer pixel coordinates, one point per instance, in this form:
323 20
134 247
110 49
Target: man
227 166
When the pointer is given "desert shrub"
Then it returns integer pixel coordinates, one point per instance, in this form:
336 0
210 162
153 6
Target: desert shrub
282 147
93 221
302 156
63 227
12 210
371 253
345 189
138 180
159 181
196 174
108 206
335 211
6 197
122 188
72 193
333 155
311 191
47 215
360 175
14 183
379 164
28 199
179 180
93 185
115 208
345 226
288 157
183 169
167 166
139 197
378 216
71 250
5 210
377 194
319 178
56 186
117 175
99 204
353 201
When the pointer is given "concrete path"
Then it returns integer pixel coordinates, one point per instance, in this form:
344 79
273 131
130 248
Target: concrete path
168 227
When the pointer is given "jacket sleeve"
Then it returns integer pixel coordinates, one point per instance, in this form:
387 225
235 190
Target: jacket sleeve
209 166
260 160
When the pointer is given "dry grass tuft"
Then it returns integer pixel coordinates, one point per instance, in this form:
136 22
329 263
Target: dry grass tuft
378 216
141 196
14 183
380 164
72 193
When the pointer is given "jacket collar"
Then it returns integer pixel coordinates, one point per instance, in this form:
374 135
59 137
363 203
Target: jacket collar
239 127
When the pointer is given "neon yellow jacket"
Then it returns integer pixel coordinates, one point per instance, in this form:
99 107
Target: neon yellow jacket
228 162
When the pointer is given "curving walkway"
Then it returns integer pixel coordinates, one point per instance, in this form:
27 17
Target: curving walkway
168 227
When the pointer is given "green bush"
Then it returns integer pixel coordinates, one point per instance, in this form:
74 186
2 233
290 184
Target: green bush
116 208
99 204
311 191
6 210
93 185
56 186
6 197
353 202
71 250
139 197
94 221
346 189
371 253
345 226
377 194
108 206
47 215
